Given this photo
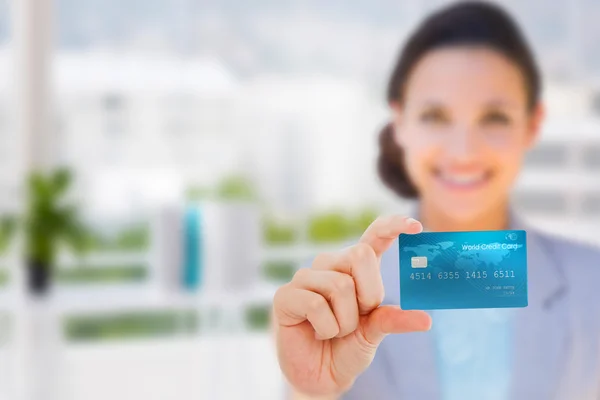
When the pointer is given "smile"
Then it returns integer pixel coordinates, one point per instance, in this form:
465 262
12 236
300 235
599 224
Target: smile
463 181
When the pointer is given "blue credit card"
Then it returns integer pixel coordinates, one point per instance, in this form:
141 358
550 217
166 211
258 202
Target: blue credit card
447 270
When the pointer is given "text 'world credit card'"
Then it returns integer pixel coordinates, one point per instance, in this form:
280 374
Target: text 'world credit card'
444 270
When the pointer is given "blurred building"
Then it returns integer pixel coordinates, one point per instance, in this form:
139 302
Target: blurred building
560 185
312 140
144 116
309 142
11 154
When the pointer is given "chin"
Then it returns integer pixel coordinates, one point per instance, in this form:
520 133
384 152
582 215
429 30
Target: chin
463 211
465 198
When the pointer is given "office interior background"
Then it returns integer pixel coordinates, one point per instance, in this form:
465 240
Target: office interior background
215 145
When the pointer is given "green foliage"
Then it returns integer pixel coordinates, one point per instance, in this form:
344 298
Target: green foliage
233 187
143 324
258 317
236 188
335 227
329 227
4 277
48 221
8 225
87 274
278 232
280 271
362 221
133 238
198 193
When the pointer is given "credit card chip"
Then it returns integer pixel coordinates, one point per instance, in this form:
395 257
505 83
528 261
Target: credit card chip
418 262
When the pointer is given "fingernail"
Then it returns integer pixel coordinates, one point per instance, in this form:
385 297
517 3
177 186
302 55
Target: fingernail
411 221
428 326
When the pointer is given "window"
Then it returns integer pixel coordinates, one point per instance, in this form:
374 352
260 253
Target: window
590 204
542 201
115 127
11 145
113 102
548 155
591 157
178 127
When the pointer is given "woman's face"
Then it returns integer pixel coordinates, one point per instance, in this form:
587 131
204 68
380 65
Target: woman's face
465 126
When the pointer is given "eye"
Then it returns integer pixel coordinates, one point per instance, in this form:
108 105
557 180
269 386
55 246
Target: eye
496 118
434 116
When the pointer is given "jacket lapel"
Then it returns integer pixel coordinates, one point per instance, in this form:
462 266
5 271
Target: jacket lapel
411 359
540 330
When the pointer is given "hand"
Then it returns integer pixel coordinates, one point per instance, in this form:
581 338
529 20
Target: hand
329 319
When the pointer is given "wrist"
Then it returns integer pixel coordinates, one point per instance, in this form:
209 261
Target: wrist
334 395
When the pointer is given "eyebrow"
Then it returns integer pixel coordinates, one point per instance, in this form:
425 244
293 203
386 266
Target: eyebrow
494 103
499 103
432 104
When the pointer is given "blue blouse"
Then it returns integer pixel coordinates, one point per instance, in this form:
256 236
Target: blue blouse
473 353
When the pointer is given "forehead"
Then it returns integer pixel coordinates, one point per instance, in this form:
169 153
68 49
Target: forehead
463 74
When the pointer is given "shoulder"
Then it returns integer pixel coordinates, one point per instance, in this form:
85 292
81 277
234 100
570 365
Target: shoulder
579 266
573 255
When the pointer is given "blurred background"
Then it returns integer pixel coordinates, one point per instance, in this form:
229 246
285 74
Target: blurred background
188 128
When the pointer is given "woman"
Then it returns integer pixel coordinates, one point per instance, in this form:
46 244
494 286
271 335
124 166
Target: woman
465 103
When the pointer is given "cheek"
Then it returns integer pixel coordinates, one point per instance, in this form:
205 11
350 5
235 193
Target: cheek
508 165
509 157
420 157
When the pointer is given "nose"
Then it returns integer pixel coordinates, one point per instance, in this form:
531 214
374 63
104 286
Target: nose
463 144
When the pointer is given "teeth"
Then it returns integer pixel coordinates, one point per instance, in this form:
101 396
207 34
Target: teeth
463 179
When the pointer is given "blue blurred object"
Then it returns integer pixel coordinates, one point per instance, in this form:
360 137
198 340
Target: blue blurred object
192 262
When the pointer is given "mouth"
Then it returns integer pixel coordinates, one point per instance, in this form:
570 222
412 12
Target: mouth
462 181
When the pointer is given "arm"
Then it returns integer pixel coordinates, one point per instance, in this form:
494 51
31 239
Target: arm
291 393
338 302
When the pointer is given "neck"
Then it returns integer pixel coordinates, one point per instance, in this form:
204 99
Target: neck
435 220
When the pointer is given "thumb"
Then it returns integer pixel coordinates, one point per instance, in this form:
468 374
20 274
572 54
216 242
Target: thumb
391 319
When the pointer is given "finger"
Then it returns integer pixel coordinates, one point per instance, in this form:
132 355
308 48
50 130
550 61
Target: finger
391 319
293 306
338 289
384 230
361 263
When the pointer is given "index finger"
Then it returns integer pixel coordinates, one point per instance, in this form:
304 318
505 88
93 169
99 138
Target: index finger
384 230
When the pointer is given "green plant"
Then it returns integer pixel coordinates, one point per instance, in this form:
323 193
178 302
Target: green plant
197 193
280 271
131 325
362 221
49 221
231 187
132 238
4 277
278 232
7 228
329 227
236 188
258 317
86 274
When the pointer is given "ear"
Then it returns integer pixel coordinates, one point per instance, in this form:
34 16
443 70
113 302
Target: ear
535 125
397 114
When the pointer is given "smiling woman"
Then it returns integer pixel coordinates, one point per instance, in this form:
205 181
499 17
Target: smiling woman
465 102
465 107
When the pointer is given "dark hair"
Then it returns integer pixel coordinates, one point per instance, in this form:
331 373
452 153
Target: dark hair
465 23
